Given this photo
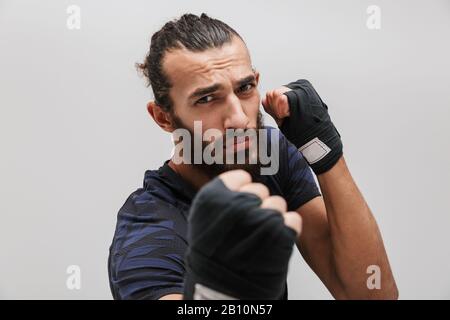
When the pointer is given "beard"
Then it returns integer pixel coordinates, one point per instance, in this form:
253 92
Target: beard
214 169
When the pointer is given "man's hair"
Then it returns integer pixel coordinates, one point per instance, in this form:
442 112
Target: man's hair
192 32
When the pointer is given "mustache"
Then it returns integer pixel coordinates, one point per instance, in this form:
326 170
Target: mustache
235 133
233 136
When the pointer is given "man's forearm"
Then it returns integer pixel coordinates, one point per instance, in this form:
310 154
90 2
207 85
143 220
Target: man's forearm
356 241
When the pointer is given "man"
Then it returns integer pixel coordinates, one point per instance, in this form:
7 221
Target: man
205 230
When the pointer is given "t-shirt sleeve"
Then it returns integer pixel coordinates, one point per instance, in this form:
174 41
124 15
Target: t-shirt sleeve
146 257
297 180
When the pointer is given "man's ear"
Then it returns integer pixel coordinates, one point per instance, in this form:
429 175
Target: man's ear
257 77
161 117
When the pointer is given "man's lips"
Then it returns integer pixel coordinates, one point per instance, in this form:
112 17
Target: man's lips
238 143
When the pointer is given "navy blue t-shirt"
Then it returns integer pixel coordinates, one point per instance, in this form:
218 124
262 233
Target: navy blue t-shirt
146 257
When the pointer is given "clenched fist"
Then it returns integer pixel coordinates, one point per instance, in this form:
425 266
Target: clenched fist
240 239
276 104
303 118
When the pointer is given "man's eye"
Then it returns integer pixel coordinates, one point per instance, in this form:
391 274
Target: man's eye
246 87
204 100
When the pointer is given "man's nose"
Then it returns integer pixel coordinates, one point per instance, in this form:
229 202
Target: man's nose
236 117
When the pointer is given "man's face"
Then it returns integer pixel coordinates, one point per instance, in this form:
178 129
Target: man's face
217 87
230 104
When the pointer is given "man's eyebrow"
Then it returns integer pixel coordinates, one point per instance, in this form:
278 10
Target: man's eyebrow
204 91
246 80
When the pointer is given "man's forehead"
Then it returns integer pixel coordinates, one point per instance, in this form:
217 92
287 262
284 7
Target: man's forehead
187 69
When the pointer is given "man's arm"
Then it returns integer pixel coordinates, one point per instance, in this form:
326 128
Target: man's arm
341 239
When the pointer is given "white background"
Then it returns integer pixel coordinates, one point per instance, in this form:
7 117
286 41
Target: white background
76 139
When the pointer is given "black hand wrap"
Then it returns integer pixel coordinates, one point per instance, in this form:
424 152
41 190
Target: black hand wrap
309 127
235 247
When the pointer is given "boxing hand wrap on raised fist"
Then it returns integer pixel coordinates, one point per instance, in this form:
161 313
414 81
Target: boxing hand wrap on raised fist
239 244
303 118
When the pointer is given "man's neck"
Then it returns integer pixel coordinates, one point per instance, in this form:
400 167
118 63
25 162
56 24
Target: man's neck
192 175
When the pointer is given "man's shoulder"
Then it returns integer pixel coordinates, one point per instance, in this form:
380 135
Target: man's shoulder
149 214
150 211
155 195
